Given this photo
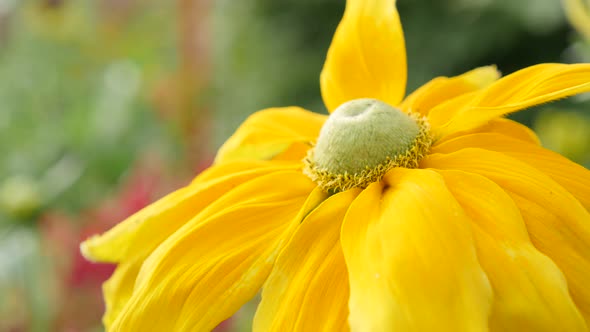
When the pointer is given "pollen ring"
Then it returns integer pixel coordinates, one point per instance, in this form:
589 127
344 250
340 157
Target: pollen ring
336 182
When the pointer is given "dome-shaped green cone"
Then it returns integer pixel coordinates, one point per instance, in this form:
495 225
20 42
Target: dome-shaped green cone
361 140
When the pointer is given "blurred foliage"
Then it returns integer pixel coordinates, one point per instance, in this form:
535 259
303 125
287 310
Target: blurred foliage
26 284
566 131
90 88
73 97
77 109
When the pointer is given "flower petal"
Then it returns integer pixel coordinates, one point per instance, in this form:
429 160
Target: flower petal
118 289
141 233
367 57
530 292
501 126
571 176
557 223
268 133
442 89
216 262
307 289
411 258
525 88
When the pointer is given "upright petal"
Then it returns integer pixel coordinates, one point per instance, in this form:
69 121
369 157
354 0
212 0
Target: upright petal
141 233
215 263
307 289
269 133
411 258
525 88
571 176
442 89
367 57
556 221
530 292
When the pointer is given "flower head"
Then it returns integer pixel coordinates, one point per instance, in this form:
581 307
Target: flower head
429 212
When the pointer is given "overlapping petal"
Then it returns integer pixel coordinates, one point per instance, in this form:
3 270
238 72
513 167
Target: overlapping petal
500 126
411 258
367 57
530 292
118 290
573 177
216 262
274 133
308 287
558 224
141 233
525 88
442 89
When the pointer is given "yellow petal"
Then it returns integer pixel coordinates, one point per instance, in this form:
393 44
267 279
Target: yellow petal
530 292
118 289
141 233
211 266
442 89
308 287
411 258
567 252
557 223
367 57
501 126
571 176
525 88
268 133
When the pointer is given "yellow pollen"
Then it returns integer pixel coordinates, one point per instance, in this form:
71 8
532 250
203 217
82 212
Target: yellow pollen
361 141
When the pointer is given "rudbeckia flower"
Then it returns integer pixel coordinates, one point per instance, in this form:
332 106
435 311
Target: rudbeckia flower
425 213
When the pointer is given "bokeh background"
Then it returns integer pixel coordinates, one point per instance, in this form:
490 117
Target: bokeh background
107 105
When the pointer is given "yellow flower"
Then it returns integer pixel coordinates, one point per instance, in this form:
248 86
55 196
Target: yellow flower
464 224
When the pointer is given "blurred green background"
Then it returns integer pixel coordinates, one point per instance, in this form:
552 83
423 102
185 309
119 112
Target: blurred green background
107 105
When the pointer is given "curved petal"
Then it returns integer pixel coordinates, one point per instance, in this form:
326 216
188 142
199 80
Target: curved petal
525 88
118 289
557 223
141 233
367 57
442 89
571 176
268 133
501 126
411 258
530 292
215 263
307 289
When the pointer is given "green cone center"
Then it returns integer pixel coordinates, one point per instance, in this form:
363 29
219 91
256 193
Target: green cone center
362 134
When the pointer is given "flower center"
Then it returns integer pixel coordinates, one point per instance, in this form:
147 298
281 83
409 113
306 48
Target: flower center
362 140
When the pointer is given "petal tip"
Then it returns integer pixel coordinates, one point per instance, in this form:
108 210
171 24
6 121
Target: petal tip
484 76
86 249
